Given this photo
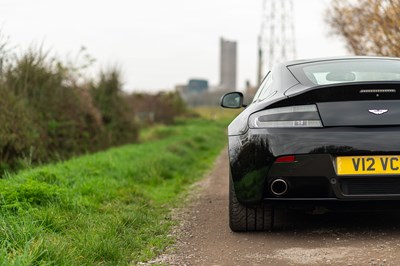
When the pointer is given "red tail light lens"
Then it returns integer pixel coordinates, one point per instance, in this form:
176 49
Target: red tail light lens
286 159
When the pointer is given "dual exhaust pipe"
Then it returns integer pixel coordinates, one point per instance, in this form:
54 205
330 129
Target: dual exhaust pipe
279 187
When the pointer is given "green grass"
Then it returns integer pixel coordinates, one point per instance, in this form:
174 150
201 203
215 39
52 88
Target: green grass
109 208
216 113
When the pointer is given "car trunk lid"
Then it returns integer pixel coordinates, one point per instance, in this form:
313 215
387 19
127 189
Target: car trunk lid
359 104
360 113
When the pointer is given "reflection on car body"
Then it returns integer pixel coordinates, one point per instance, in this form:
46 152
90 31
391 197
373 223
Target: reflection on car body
319 133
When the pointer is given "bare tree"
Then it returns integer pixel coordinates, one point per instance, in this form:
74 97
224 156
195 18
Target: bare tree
369 27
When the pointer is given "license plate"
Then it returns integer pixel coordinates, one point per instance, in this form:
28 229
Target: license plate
368 165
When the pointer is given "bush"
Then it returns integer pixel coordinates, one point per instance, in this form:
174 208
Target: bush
20 137
163 107
47 114
66 115
116 116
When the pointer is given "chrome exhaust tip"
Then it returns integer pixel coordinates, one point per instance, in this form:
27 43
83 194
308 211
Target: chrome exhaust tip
279 187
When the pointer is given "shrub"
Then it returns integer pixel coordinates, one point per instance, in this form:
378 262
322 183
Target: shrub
163 107
47 114
116 116
66 115
20 137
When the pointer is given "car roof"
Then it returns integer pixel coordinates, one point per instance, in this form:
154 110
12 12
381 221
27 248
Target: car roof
285 80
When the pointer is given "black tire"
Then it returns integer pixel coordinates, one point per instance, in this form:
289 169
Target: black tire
245 218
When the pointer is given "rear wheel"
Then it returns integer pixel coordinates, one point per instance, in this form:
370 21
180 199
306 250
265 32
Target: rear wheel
245 218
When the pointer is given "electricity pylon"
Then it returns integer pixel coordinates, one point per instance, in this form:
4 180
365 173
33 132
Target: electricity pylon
276 42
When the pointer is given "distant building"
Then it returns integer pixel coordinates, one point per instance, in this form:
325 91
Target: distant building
197 86
228 68
194 92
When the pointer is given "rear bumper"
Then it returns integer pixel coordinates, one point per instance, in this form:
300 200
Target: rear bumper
313 176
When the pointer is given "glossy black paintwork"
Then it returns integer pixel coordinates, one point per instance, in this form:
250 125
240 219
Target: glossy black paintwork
358 113
252 152
252 155
299 94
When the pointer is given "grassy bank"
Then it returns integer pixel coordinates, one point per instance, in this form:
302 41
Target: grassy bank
216 113
109 208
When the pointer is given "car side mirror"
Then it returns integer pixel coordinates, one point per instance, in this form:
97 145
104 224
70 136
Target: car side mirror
233 100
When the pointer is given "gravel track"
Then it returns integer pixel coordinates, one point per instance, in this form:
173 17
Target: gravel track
204 237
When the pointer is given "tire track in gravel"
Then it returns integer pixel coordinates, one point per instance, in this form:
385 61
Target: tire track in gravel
204 237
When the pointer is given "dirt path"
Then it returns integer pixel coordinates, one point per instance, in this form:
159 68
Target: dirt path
204 238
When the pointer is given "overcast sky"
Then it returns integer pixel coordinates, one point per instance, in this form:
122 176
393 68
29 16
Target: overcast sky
160 43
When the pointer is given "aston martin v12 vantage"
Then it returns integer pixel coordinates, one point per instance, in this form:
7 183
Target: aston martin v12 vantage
318 133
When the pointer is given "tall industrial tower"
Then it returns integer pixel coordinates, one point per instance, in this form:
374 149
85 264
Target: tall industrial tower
276 42
228 62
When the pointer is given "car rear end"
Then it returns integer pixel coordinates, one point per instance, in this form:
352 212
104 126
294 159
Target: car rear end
336 142
331 140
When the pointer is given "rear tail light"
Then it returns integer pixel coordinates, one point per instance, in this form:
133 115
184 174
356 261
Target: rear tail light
293 117
286 159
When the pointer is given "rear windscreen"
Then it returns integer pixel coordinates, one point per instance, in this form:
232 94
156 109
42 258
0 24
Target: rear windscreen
347 71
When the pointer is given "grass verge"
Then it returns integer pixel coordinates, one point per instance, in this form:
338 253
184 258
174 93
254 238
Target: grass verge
109 208
216 113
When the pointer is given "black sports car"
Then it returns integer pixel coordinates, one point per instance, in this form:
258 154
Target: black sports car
319 133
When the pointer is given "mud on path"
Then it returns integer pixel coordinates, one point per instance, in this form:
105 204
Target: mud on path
204 237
